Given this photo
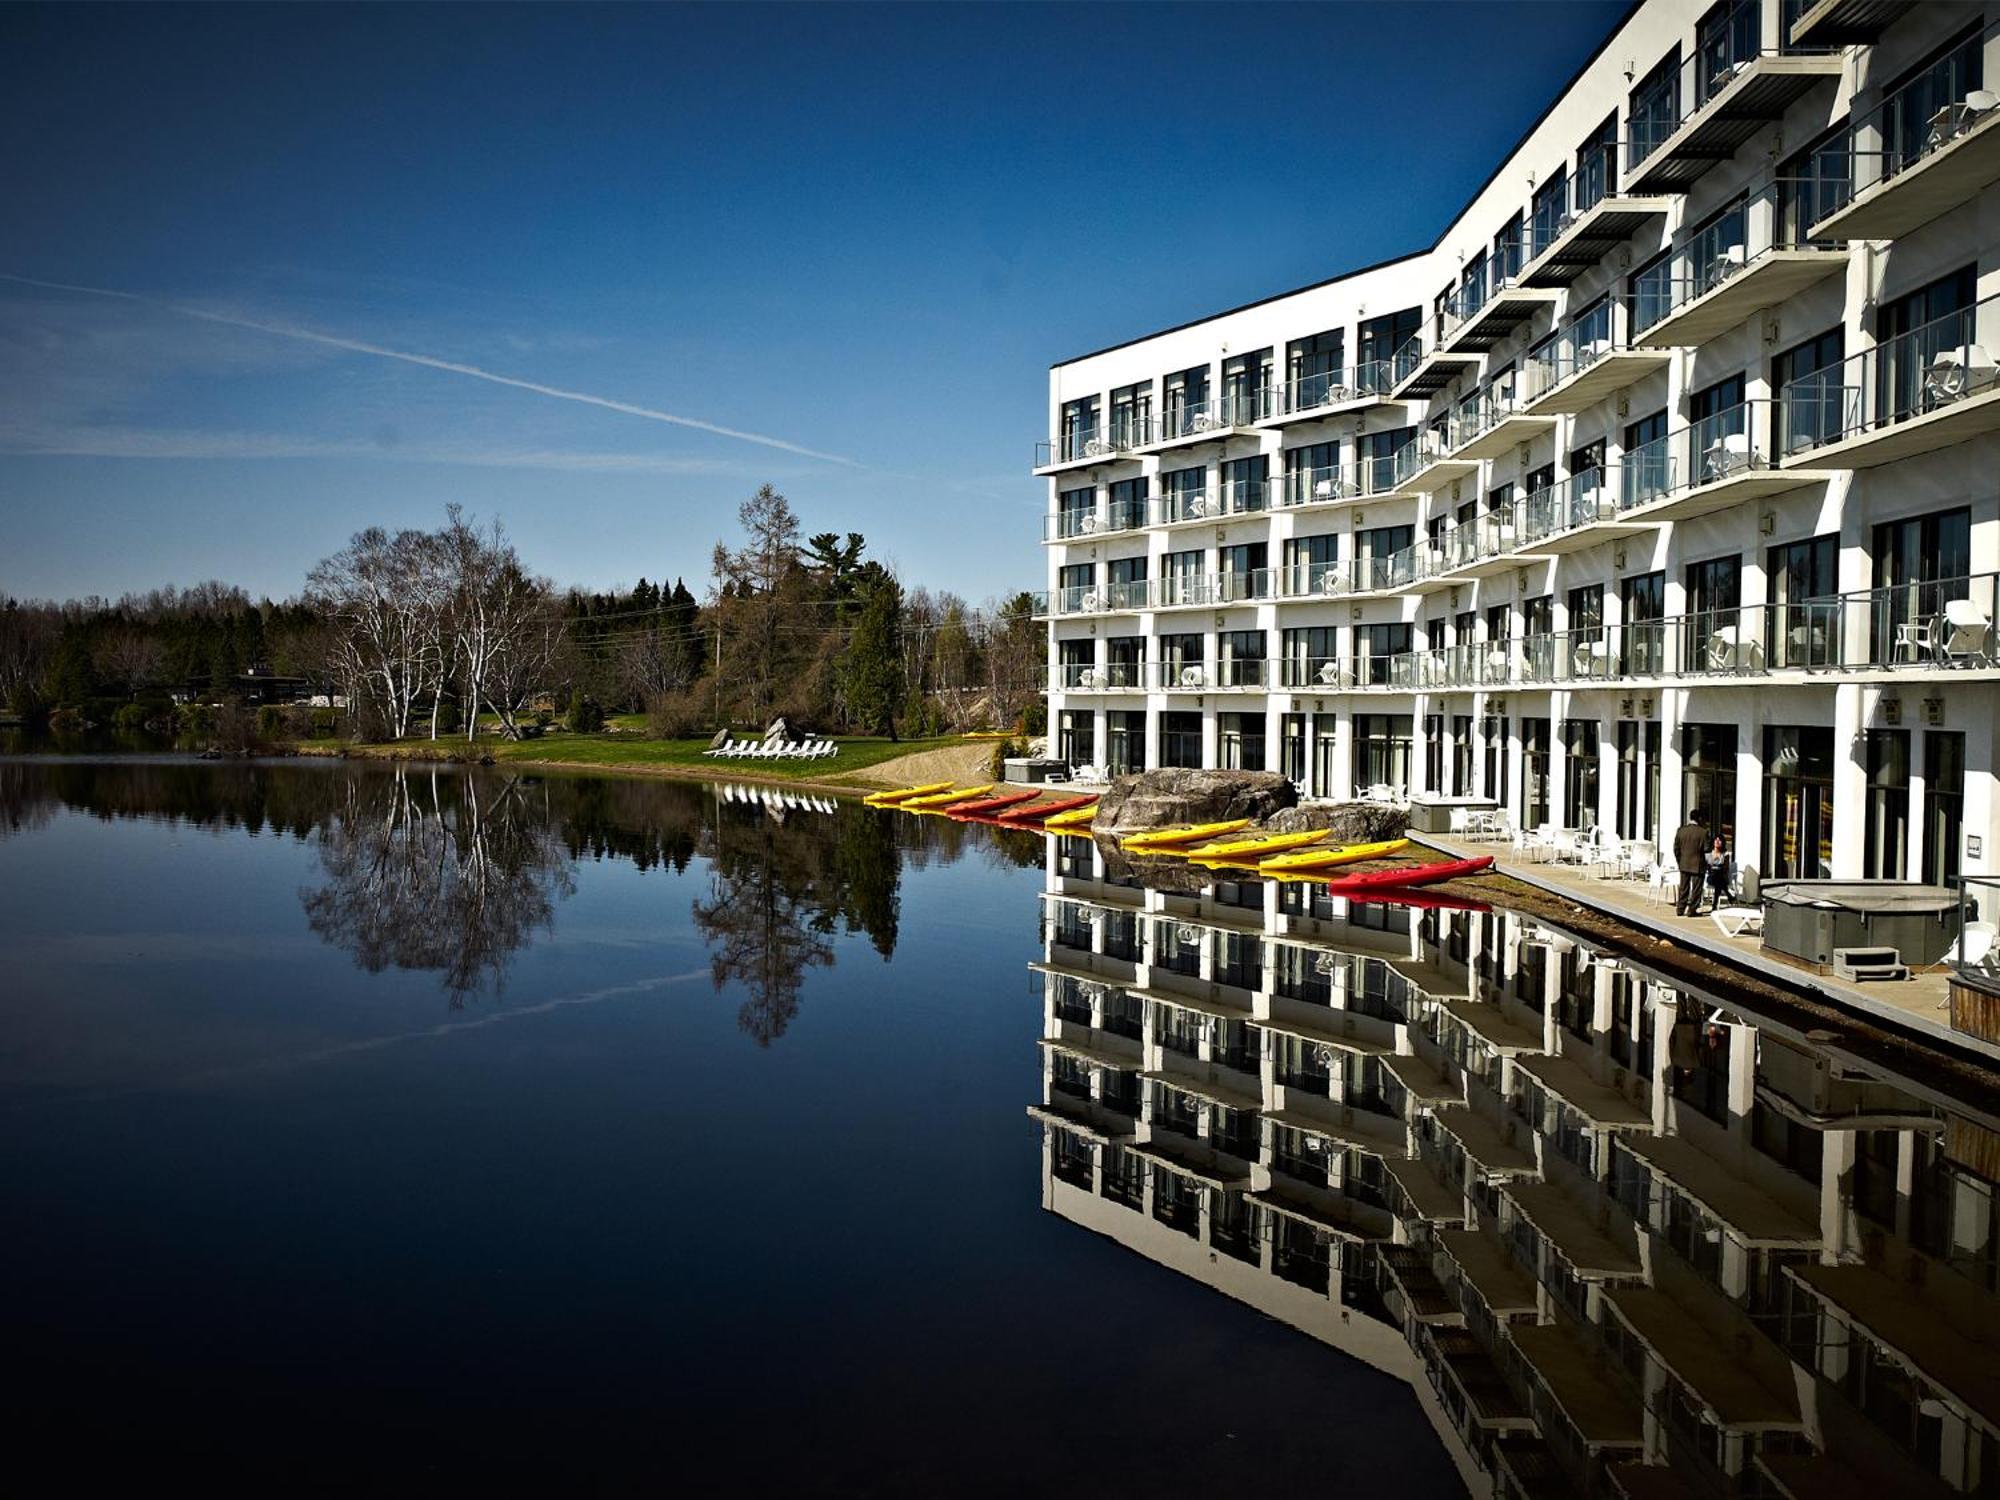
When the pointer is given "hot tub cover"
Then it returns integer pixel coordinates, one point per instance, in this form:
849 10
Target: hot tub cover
1885 896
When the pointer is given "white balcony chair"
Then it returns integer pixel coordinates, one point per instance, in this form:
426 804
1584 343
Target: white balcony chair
1328 673
1956 373
1725 265
1191 677
1968 634
1195 507
1087 526
1728 454
1090 603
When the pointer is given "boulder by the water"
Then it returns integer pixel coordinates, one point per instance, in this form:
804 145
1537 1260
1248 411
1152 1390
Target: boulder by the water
1159 799
1349 822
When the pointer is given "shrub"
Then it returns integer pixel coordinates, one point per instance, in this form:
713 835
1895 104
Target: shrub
1035 717
271 723
677 716
131 718
324 723
65 721
196 720
585 716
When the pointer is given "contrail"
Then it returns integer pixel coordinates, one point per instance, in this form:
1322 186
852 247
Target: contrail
429 362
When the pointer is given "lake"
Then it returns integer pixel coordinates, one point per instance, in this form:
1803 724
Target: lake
431 1130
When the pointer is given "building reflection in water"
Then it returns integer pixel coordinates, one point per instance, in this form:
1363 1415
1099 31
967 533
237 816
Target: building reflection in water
1621 1237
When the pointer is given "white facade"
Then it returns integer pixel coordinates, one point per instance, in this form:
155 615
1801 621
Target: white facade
1685 490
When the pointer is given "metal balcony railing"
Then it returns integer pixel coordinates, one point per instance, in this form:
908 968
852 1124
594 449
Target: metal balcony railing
1776 216
1310 393
1579 344
1594 178
1583 499
1089 443
1095 520
1929 369
1323 484
1501 272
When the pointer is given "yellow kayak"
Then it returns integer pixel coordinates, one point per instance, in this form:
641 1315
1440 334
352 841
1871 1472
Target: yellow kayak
945 799
1076 817
1260 845
901 793
1184 833
1325 859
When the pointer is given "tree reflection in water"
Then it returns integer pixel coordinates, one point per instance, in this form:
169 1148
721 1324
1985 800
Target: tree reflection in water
436 871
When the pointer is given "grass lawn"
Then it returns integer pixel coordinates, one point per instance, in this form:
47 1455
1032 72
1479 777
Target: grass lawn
630 751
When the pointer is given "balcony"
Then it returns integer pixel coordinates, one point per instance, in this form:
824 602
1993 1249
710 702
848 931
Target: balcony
1494 428
1185 424
1091 522
1097 599
1721 461
1077 450
1324 484
1417 371
1311 397
1481 549
1746 261
1207 590
1934 386
1592 223
1901 174
1434 460
1843 23
1726 92
1584 367
1578 512
1485 312
1085 677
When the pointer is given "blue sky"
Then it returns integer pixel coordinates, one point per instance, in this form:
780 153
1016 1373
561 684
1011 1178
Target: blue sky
854 236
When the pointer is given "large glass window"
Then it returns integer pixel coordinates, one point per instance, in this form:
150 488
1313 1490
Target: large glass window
1132 414
1580 746
1597 164
1642 605
1647 468
1240 659
1886 817
1708 776
1381 654
1382 750
1535 768
1180 739
1726 42
1240 738
1550 210
1185 406
1811 407
1312 368
1184 494
1309 561
1124 742
1381 457
1911 332
1802 626
1713 639
1798 802
1244 483
1944 804
1941 80
1312 656
1380 338
1246 383
1127 509
1921 563
1638 779
1079 427
1654 109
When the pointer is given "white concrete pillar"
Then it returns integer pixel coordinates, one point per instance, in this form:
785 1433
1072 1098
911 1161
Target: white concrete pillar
1850 778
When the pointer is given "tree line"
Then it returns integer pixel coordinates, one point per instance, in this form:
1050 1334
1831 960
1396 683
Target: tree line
437 633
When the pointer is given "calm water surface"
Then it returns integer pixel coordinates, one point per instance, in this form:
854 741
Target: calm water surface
426 1131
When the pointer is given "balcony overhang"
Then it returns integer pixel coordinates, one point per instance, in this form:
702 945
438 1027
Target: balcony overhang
1590 534
1761 91
1492 566
1439 472
1744 486
1433 373
1595 382
1842 23
1967 417
1100 456
1505 311
1940 182
1763 282
1589 237
1505 435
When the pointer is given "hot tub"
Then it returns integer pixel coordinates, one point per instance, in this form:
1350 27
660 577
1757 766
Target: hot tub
1808 919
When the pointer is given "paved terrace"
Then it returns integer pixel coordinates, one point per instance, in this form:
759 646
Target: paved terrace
1920 1003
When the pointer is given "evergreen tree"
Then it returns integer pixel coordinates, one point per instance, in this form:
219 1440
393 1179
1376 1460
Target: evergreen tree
872 666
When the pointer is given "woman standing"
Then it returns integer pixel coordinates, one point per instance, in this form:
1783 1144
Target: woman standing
1717 860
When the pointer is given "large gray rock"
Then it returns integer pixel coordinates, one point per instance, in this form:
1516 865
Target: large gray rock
1351 822
1157 799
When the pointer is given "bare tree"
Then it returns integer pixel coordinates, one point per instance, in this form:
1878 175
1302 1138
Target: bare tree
130 658
504 629
380 591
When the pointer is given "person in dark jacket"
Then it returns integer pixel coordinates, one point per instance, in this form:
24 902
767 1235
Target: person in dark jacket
1690 850
1717 860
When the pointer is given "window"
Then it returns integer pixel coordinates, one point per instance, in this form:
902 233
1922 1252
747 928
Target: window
1719 431
1708 776
1495 734
1312 369
1128 504
1124 742
1798 802
1185 405
1597 165
1725 41
1885 846
1911 332
1246 384
1944 804
1179 654
1181 580
1075 510
1125 660
1638 812
1716 250
1811 184
1075 579
1310 562
1711 641
1380 338
1244 484
1461 755
1936 83
1381 654
1079 428
1549 210
1245 570
1921 563
1240 740
1651 294
1180 739
1580 746
1538 624
1184 494
1381 460
1132 415
1382 749
1509 247
1654 109
1647 468
1811 404
1239 662
1642 605
1802 626
1535 768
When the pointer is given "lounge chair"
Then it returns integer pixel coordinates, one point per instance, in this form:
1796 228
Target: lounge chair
1738 921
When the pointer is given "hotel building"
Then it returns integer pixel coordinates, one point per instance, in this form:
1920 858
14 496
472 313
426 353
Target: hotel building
1621 1236
1668 478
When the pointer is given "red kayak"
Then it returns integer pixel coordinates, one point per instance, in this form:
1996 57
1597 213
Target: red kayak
1043 810
988 805
1408 875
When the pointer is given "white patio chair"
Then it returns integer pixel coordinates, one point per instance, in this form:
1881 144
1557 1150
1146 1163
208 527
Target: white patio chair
1973 948
1968 634
1738 921
1636 858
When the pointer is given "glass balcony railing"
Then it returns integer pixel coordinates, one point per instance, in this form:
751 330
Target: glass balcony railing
1117 676
1182 675
1310 393
1219 414
1244 496
1931 368
1594 178
1183 505
1730 43
1088 521
1975 957
1776 216
1501 272
1578 344
1324 484
1583 499
1233 497
1090 443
